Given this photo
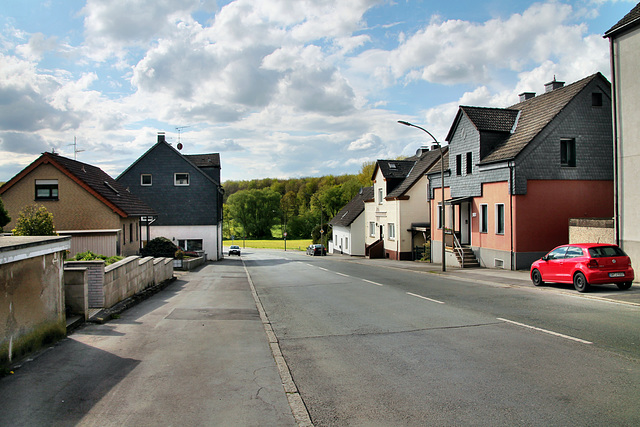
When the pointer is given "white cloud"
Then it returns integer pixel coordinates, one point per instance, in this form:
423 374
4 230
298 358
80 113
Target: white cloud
368 141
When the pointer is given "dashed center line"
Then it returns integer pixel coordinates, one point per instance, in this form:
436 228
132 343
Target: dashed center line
428 299
369 281
546 331
341 274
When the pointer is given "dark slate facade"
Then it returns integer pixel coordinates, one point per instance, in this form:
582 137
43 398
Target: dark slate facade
199 203
522 142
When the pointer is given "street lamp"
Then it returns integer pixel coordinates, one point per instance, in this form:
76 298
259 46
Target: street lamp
402 122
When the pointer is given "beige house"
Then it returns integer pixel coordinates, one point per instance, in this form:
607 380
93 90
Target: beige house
624 40
397 218
101 215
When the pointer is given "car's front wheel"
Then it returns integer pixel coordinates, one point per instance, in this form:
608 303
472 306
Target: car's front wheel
580 282
624 286
536 277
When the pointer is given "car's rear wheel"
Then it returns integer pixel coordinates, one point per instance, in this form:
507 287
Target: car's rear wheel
624 286
536 277
580 282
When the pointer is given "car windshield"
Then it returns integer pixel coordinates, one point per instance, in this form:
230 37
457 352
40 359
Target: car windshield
606 251
235 247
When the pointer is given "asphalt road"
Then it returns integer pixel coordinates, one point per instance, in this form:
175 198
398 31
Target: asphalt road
377 346
273 337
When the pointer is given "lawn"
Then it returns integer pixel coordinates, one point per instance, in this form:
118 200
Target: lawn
300 245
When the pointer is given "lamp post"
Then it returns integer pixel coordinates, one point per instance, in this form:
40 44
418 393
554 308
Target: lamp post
402 122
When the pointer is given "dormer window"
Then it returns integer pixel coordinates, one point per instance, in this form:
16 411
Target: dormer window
181 179
392 166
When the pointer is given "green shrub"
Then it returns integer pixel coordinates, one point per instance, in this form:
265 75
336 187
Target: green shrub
90 256
160 247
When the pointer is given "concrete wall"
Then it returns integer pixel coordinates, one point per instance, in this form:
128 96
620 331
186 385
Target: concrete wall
76 293
31 294
123 279
591 230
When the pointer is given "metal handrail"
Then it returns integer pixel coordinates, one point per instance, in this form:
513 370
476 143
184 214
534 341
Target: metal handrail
458 247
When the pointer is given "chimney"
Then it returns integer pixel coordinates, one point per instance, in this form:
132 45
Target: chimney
420 151
161 137
526 95
553 85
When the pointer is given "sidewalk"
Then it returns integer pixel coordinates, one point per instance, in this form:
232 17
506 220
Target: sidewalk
518 278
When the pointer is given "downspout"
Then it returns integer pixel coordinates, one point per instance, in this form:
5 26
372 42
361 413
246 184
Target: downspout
398 231
511 187
614 113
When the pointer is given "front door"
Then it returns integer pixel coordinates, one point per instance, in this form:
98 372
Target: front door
465 223
381 232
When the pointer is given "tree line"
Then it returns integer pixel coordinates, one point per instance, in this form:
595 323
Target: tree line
301 207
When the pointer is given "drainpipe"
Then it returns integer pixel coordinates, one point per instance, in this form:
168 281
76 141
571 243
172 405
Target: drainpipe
511 187
616 182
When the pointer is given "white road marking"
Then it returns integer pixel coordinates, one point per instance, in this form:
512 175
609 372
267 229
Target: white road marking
428 299
341 274
323 269
546 331
369 281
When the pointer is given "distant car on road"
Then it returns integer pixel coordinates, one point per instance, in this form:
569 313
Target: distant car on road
316 249
234 250
583 265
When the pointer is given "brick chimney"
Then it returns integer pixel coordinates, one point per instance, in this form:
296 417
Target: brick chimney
553 85
526 95
161 137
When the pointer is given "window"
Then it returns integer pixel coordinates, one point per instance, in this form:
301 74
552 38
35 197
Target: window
124 236
346 243
181 179
469 162
558 253
596 99
130 232
372 229
484 218
439 216
145 179
499 218
46 189
380 193
392 231
190 244
568 152
459 164
574 252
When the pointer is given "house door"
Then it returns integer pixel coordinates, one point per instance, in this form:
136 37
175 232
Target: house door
381 232
465 223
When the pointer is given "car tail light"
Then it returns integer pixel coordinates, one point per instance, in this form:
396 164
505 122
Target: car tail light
592 264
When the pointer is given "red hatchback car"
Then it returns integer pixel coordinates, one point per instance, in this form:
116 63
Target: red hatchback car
584 264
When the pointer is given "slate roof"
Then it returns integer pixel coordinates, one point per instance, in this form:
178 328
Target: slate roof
394 169
94 180
525 120
630 20
204 160
420 167
353 209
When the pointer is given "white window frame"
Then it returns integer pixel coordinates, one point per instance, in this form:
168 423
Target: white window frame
380 195
372 229
391 231
142 176
483 227
497 221
181 184
50 185
439 215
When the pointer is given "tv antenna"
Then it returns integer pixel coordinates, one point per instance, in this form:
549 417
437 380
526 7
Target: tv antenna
179 129
76 150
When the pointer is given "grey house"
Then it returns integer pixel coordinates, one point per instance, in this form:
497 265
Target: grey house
184 191
516 175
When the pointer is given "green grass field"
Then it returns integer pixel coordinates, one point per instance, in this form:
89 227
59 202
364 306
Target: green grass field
300 245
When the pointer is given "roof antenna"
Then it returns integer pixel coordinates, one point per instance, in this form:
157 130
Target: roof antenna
76 150
179 129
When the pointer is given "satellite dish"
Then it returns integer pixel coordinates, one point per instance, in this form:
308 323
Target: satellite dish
179 146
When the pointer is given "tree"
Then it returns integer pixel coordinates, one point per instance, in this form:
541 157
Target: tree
4 216
255 210
34 220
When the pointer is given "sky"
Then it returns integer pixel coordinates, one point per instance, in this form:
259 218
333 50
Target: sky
280 88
